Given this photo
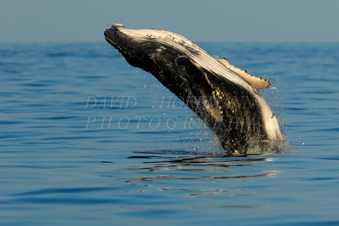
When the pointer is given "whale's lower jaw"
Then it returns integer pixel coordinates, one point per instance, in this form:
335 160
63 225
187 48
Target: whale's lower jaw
231 107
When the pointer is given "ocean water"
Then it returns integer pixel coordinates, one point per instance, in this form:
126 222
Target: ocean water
87 139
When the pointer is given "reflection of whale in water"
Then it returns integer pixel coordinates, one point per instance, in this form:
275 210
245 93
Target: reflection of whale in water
209 165
224 97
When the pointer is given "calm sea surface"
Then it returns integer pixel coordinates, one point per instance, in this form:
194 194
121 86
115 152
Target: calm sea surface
87 139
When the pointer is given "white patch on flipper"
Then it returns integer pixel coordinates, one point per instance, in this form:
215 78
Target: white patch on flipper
258 83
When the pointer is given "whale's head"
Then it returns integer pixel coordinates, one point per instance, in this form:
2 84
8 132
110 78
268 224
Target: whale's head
142 46
136 46
125 42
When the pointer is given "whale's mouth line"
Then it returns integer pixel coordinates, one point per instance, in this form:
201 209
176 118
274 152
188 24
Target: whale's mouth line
107 38
110 41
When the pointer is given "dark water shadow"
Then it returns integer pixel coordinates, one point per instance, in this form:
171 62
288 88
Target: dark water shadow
200 167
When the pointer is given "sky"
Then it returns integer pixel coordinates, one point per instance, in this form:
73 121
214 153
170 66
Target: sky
198 20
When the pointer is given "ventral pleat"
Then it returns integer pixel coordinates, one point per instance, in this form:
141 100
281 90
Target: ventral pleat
203 91
201 87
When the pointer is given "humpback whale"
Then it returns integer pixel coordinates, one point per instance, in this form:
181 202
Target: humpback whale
225 97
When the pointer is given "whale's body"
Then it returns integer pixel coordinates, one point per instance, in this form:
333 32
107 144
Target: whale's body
230 105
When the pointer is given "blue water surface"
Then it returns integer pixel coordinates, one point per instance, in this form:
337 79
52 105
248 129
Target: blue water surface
87 139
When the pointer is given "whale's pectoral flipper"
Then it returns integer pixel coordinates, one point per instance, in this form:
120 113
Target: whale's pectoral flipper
258 83
200 86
